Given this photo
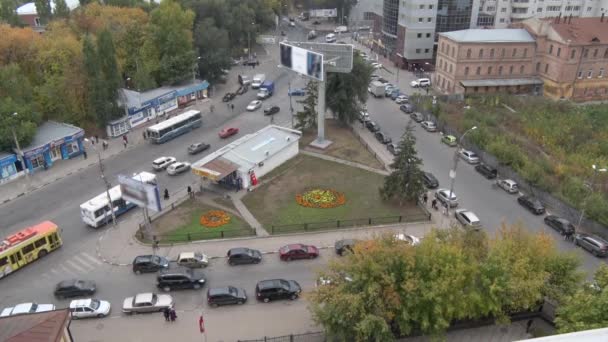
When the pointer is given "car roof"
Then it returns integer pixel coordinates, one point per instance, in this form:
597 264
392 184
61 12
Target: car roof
143 258
296 246
67 282
160 159
509 181
144 297
186 255
214 291
269 283
238 250
80 302
175 270
471 215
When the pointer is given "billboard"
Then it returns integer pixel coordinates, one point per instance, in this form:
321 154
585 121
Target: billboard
140 193
324 13
302 61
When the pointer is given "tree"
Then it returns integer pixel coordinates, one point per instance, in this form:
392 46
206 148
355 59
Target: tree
15 97
345 92
213 46
96 96
307 117
44 11
110 76
8 13
61 9
405 182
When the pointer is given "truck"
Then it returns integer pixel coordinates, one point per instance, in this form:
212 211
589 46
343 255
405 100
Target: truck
377 89
258 80
266 90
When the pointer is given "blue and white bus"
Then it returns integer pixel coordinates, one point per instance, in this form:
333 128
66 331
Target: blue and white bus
96 211
176 126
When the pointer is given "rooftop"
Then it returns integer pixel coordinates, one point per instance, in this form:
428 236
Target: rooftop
51 131
490 36
30 7
582 30
37 327
136 98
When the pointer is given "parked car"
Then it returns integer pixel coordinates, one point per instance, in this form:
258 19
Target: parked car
296 92
342 246
402 99
180 277
177 168
417 117
228 132
562 225
312 35
467 218
271 110
26 308
429 126
298 251
147 302
393 148
449 140
429 180
592 243
407 108
508 185
396 93
74 288
253 105
363 117
243 255
228 97
421 82
383 138
531 203
87 308
198 148
469 156
242 89
409 239
226 295
267 290
372 126
444 196
487 171
162 163
192 260
149 263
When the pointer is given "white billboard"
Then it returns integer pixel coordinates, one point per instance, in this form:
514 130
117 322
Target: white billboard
324 13
140 193
302 61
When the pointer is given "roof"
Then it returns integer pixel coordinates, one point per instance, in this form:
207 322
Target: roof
36 327
101 200
595 335
490 36
136 98
501 82
172 121
30 7
582 30
51 131
144 297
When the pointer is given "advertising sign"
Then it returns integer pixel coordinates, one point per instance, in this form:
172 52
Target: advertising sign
324 13
140 193
302 61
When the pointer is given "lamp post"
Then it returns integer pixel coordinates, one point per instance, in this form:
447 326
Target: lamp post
19 152
595 173
453 170
105 180
249 42
290 103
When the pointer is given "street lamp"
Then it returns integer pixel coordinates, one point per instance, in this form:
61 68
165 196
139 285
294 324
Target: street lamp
249 42
453 170
105 180
280 66
21 156
595 173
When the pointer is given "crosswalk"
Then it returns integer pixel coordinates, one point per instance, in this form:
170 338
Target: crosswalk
78 265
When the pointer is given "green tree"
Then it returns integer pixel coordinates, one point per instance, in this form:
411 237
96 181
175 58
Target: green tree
110 76
307 117
8 13
96 95
213 46
16 97
43 8
405 182
61 9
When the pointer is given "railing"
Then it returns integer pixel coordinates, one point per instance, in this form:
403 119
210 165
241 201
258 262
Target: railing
204 235
306 337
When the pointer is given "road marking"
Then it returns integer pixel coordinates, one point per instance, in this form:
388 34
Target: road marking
84 264
73 264
67 270
54 271
46 276
91 258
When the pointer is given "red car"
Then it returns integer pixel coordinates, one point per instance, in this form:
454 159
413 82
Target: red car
227 132
298 251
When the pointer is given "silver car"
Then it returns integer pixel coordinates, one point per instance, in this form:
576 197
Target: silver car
429 126
469 156
87 308
467 218
26 308
444 196
147 302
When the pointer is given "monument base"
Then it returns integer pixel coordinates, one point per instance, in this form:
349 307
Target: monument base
321 143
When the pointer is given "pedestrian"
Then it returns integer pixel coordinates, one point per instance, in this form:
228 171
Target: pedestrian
434 204
124 142
444 208
125 138
427 90
166 313
425 198
189 191
104 143
568 235
173 315
144 134
92 140
529 325
232 106
97 139
84 154
166 194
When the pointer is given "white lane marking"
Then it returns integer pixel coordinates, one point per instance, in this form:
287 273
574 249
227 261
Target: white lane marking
54 271
74 265
67 270
91 258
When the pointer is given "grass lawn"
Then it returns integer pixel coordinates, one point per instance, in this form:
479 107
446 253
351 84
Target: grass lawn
182 224
274 203
345 145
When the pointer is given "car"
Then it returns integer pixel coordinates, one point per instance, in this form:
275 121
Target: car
562 225
363 117
243 89
508 185
468 156
373 76
346 245
312 35
253 105
250 62
389 90
149 263
330 38
180 277
429 126
429 180
74 288
394 93
228 132
228 97
393 148
87 308
402 99
377 66
162 163
147 302
271 110
271 289
296 92
407 108
341 29
192 260
383 138
198 148
531 203
444 196
298 251
417 117
467 218
409 239
292 24
486 170
421 82
372 126
26 308
243 256
177 168
449 140
316 22
226 295
592 243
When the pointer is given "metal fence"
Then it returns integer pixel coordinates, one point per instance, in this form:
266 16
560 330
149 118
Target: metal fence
306 337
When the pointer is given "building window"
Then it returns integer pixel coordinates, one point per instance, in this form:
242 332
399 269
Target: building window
478 71
573 53
489 70
453 53
577 8
419 35
475 89
466 71
37 21
514 52
511 70
469 53
420 20
539 10
450 69
595 53
491 53
502 53
428 20
502 20
519 10
525 52
606 53
589 9
421 7
481 53
551 49
601 74
559 51
585 52
500 70
503 10
568 8
521 69
553 8
538 67
490 9
418 50
428 35
589 73
580 74
426 50
430 6
546 68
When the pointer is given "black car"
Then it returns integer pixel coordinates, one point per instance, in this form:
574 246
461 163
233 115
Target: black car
242 89
372 126
407 108
562 225
228 97
180 277
486 170
267 290
592 243
271 110
393 148
342 246
225 296
383 138
74 288
532 204
149 263
250 62
198 148
429 180
242 255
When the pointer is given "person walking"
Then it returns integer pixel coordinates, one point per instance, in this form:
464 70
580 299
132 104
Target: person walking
434 204
173 315
529 325
125 138
104 144
232 106
189 191
97 139
444 208
211 108
425 198
144 134
92 140
166 194
84 154
124 143
568 235
166 313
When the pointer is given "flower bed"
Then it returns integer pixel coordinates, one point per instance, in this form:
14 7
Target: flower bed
321 198
215 218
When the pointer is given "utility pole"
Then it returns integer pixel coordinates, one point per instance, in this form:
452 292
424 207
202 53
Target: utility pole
20 153
290 103
105 181
453 170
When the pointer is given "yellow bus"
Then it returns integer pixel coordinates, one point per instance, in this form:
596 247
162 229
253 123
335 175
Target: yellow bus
27 245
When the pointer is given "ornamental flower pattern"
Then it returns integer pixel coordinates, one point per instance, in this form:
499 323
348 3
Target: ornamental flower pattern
214 218
321 198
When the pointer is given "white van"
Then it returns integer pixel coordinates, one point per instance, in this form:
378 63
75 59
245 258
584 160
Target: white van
421 82
341 29
330 38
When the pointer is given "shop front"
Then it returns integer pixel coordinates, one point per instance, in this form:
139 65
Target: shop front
10 167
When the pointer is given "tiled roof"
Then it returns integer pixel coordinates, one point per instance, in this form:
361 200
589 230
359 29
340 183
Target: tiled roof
490 36
582 30
38 327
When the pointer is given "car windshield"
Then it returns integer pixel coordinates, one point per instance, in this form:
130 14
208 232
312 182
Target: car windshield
250 252
232 290
285 284
159 162
95 304
156 259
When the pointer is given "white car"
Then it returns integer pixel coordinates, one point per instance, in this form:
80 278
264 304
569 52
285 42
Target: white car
421 82
429 126
467 218
410 239
292 24
341 29
508 185
147 302
26 308
469 156
177 168
86 308
444 196
402 99
162 163
253 105
377 66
